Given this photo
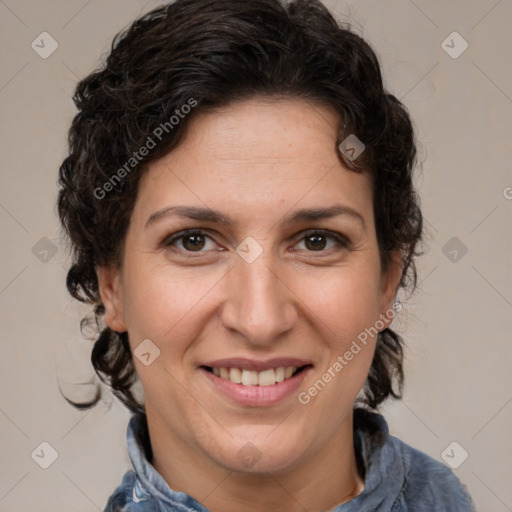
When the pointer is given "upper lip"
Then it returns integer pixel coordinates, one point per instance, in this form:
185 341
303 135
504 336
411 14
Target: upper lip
257 365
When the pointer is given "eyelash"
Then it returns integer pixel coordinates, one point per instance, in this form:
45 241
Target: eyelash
342 241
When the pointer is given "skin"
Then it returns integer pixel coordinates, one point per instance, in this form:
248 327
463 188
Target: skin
257 161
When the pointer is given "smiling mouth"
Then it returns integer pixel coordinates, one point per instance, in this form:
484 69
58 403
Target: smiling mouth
263 378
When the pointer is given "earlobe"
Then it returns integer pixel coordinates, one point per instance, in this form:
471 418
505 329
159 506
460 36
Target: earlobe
111 296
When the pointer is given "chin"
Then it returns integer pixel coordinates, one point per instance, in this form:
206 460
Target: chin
262 454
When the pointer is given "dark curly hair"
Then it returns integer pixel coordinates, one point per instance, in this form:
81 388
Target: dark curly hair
215 52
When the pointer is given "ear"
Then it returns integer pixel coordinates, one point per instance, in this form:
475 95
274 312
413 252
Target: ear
111 295
388 287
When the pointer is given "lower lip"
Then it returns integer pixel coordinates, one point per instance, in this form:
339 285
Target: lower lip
257 396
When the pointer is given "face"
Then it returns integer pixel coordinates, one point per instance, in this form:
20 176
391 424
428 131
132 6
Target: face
251 255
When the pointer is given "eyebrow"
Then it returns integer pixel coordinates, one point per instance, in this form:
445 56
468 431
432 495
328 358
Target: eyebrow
209 215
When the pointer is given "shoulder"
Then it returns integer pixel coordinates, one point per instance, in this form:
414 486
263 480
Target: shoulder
400 478
428 484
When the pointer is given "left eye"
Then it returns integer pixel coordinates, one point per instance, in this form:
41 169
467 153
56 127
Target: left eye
318 240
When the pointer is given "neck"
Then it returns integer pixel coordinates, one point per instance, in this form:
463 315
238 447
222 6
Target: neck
326 479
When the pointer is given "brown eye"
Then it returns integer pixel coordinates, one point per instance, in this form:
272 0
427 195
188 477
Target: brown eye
191 241
321 240
315 242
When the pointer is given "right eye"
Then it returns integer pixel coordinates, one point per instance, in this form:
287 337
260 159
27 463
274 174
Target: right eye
190 241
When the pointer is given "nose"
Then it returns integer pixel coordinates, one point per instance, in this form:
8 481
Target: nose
259 304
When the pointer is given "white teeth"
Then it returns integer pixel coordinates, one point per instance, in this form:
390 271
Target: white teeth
267 377
288 372
235 375
279 374
251 378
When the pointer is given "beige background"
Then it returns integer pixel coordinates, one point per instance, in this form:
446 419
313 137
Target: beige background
457 325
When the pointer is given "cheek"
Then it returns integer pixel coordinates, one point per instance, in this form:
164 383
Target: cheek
160 302
164 307
345 302
345 309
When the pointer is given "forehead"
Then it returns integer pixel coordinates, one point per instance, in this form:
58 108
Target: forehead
263 131
254 155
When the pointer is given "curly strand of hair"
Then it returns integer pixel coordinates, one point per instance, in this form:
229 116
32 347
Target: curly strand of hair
386 370
113 362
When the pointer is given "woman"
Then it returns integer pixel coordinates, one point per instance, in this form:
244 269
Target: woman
239 199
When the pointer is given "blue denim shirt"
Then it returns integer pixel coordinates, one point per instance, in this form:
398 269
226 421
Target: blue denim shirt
397 478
